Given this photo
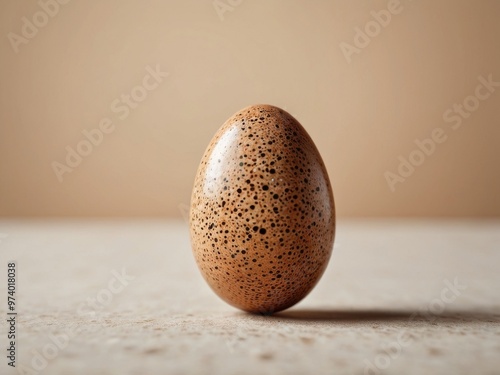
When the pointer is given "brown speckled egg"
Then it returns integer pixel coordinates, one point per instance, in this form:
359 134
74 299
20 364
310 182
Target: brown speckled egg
262 211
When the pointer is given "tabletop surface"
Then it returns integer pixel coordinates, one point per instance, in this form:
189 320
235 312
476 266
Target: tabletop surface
126 297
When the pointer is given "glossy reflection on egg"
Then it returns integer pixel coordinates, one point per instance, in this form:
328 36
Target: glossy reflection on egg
262 213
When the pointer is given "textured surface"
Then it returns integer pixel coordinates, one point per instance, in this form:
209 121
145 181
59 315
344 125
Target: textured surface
262 211
167 321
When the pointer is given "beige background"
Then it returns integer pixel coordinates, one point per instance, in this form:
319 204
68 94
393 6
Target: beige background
362 115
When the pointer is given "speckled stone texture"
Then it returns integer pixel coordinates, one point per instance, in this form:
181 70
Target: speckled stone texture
371 313
262 211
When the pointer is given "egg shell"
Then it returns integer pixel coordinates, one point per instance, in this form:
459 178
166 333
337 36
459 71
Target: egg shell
262 216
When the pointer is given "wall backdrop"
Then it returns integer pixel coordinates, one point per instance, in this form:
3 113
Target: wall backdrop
106 107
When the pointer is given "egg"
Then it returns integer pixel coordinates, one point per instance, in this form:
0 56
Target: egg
262 214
